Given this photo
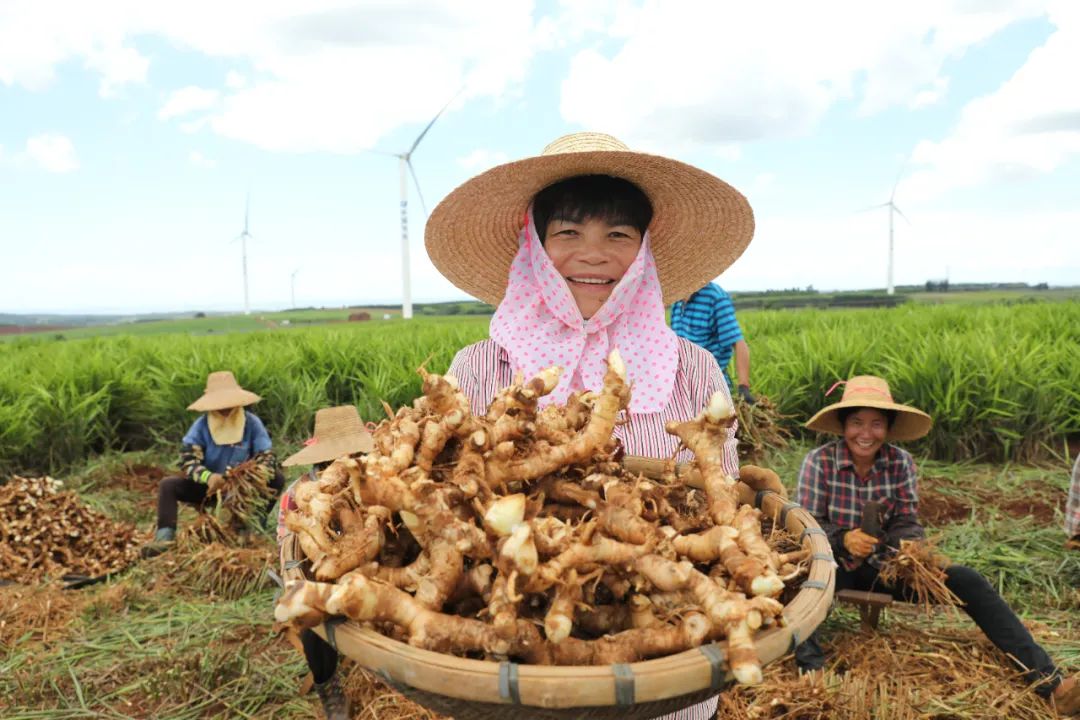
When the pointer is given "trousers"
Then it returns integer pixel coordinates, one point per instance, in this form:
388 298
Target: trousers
176 489
981 602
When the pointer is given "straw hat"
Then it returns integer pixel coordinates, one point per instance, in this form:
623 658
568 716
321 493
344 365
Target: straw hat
223 392
700 224
338 431
872 392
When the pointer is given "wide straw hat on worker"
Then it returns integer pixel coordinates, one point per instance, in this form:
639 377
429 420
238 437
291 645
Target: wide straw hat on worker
700 224
223 392
871 391
338 431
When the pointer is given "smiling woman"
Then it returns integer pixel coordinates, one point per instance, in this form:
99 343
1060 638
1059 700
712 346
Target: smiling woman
589 215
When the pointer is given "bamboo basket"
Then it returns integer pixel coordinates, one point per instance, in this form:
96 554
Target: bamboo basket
477 689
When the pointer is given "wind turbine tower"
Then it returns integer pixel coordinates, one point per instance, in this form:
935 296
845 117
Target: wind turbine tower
405 167
292 288
243 238
893 210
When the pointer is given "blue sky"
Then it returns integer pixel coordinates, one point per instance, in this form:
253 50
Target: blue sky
130 133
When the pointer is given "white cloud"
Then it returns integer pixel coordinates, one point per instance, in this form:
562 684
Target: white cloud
197 159
329 75
118 66
480 159
714 81
54 153
235 80
188 100
1028 126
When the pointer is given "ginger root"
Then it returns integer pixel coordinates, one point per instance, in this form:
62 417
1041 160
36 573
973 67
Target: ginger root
518 534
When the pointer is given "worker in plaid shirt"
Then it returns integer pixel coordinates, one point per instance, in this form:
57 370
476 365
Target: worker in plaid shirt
1072 510
836 482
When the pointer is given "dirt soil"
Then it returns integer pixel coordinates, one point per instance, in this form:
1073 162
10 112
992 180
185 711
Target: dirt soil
937 508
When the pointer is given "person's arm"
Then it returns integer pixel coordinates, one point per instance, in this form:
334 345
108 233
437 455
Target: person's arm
191 463
261 446
813 494
903 522
742 370
461 367
1072 507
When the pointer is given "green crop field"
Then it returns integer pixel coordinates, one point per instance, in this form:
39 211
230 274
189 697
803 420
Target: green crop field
1002 382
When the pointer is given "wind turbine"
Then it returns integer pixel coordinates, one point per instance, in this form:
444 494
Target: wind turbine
405 166
292 287
243 238
893 210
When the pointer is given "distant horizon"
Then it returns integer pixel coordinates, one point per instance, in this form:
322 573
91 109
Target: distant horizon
220 309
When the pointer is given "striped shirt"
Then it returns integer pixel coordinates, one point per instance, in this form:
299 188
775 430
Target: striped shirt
834 494
1072 508
708 319
482 369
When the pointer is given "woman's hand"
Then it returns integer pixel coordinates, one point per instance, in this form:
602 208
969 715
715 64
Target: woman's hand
859 544
214 483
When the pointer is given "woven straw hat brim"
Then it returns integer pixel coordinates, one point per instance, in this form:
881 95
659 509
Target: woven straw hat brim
910 423
224 399
700 225
328 450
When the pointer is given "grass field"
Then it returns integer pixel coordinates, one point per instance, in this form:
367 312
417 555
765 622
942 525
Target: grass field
1001 381
147 645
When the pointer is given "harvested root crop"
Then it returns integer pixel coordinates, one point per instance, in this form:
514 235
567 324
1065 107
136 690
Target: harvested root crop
238 507
919 565
761 428
518 534
46 533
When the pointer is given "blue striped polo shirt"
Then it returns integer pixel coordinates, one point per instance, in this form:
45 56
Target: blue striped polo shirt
708 319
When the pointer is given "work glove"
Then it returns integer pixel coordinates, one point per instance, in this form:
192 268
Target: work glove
859 544
215 483
746 395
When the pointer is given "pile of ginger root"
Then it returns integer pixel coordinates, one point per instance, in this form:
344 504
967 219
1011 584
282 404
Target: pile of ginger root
519 535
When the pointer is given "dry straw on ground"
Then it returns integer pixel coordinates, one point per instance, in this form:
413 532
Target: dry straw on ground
902 673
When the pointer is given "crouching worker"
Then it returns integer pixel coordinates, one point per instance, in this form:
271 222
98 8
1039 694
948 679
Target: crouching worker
338 432
223 437
838 479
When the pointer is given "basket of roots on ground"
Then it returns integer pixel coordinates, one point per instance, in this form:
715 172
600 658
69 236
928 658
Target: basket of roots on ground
516 561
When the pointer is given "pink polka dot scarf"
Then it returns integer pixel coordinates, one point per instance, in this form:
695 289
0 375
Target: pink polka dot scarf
539 324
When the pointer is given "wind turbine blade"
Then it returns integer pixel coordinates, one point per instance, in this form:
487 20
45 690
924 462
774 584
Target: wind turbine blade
247 208
901 215
872 207
896 184
421 135
416 181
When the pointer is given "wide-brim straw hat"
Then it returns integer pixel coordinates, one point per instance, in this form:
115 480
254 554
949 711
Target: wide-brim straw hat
338 431
700 224
223 392
872 392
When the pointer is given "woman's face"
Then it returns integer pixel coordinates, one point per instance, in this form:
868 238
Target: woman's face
223 414
864 433
592 256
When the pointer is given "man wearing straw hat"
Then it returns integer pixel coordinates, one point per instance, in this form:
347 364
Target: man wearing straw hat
840 478
224 436
338 432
